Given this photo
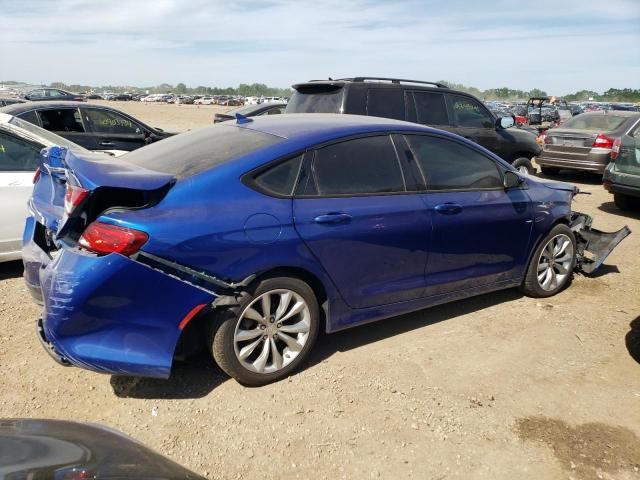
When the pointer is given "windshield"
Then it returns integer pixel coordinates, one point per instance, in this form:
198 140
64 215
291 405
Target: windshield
195 151
594 122
46 135
316 100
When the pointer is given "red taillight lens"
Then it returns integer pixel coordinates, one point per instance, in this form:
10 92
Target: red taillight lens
36 175
103 238
542 139
74 197
615 148
602 141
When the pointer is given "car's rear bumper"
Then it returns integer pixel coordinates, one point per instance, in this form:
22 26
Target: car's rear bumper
114 315
624 189
595 161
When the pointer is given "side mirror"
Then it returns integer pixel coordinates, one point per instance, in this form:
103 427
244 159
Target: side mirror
505 122
511 180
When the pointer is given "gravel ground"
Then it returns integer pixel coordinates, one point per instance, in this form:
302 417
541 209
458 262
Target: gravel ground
495 387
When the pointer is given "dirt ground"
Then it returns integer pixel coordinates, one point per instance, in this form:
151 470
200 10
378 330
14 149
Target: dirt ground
495 387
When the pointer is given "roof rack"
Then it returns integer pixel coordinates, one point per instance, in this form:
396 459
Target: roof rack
394 80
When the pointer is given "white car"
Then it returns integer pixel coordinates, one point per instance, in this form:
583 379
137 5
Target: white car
20 146
204 101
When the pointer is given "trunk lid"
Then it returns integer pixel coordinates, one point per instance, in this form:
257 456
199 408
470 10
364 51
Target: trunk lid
570 139
110 182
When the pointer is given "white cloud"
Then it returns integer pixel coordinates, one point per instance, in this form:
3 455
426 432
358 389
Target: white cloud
557 46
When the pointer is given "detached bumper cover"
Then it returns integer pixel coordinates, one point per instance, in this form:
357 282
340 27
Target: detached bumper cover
114 315
593 245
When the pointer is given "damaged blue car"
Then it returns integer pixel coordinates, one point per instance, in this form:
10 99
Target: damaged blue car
248 237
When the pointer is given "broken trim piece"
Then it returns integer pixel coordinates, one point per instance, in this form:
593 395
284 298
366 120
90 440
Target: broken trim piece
186 273
595 242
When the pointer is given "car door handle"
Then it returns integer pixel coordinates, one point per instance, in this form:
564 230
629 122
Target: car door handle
333 218
106 143
448 208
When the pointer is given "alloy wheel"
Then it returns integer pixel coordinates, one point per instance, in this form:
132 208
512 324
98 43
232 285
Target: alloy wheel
555 262
272 330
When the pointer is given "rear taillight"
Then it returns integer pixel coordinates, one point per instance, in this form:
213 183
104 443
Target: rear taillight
602 141
103 238
542 139
36 175
74 197
615 148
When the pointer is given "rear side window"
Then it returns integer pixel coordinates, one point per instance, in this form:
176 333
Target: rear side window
16 155
468 112
62 120
195 151
355 167
430 108
447 165
316 99
386 103
279 179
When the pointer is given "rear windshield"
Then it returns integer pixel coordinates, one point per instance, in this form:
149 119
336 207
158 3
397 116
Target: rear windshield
46 134
594 122
321 99
193 152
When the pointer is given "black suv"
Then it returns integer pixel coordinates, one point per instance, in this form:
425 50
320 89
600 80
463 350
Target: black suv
427 103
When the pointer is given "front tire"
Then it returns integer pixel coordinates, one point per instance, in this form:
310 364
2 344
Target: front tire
269 335
524 165
551 266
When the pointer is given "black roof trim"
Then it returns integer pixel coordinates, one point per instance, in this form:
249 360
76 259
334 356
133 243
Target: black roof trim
393 80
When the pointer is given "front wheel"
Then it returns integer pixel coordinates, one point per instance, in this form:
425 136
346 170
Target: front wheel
524 165
269 335
551 266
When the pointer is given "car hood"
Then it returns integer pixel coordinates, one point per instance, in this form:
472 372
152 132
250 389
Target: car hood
60 449
555 185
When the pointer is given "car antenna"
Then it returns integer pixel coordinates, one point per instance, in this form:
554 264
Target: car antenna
241 119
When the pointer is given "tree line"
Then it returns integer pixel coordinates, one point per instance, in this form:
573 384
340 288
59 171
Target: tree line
260 89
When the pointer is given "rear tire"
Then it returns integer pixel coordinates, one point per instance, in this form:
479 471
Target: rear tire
524 165
551 266
550 170
623 202
269 335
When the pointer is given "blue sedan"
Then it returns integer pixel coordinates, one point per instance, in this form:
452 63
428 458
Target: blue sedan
251 236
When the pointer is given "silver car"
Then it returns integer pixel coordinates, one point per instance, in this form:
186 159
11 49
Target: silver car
20 146
585 141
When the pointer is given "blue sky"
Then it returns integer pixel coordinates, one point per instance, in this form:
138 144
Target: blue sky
560 46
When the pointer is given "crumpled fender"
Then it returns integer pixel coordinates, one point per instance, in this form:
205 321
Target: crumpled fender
593 246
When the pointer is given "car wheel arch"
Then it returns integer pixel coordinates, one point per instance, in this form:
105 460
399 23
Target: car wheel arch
541 237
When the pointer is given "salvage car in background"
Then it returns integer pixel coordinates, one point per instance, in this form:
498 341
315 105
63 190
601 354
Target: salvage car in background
622 176
42 94
254 234
95 127
62 450
251 111
584 142
20 146
427 103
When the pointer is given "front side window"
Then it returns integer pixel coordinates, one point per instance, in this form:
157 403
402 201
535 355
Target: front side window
467 112
386 103
447 165
56 93
355 167
62 120
16 155
105 121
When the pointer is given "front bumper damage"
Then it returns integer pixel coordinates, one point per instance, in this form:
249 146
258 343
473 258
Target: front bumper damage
593 246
